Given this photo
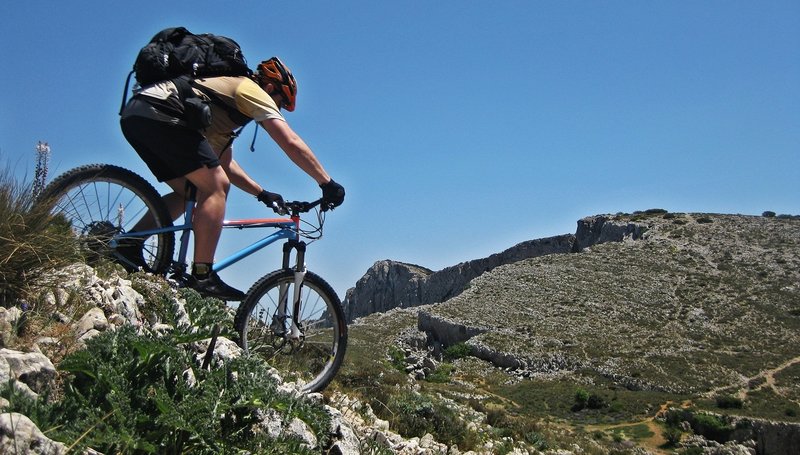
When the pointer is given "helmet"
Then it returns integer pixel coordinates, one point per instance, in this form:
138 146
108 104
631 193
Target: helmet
273 70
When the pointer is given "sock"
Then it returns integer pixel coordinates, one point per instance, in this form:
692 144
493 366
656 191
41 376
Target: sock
201 270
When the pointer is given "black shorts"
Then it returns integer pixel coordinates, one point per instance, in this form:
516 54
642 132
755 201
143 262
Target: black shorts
169 151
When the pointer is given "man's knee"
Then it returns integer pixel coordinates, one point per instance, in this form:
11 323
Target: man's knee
210 181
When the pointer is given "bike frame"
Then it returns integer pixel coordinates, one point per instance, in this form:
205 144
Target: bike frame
288 229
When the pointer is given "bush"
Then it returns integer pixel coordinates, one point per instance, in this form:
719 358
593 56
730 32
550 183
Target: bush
441 374
711 427
584 399
32 241
673 436
729 402
413 415
768 214
397 358
581 398
457 351
138 394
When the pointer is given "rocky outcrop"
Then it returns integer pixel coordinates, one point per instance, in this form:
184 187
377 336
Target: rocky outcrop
32 372
444 331
389 284
601 229
776 437
18 434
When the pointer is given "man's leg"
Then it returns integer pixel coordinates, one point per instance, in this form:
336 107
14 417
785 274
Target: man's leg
212 191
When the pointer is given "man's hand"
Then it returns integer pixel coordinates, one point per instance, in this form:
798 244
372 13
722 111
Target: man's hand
271 200
332 194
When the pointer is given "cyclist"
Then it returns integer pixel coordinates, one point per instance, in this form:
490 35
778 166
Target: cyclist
154 124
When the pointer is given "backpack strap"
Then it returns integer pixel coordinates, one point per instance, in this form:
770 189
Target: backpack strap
232 112
125 91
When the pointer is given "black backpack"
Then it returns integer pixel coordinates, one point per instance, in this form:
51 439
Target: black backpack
175 52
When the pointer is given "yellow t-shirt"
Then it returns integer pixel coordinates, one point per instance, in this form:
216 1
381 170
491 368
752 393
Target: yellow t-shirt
243 99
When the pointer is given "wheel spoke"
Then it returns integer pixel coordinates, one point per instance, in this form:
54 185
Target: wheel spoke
314 357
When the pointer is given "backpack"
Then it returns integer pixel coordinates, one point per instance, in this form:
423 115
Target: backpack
175 52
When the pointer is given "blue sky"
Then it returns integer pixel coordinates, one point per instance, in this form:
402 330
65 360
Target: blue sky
459 128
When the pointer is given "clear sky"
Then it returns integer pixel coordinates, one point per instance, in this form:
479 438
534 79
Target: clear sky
459 128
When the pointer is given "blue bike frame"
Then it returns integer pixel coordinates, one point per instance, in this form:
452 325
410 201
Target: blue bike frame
287 229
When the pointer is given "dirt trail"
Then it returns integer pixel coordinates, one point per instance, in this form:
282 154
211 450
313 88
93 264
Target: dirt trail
768 377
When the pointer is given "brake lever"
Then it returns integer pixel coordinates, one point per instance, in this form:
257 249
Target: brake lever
279 209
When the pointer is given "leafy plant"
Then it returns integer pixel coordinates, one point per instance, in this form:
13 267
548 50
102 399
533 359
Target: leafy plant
413 415
441 374
133 394
457 351
711 426
729 402
397 358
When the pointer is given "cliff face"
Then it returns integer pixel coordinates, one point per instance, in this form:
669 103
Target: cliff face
390 284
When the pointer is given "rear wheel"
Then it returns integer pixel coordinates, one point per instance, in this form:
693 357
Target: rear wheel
101 201
304 340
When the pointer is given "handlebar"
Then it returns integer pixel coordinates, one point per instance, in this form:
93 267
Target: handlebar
297 207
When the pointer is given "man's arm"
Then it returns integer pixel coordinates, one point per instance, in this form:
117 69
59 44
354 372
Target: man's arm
296 149
238 177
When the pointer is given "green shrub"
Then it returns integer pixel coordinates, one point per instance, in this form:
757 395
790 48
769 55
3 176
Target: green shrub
132 394
413 415
581 399
729 402
673 436
457 351
441 374
537 440
584 399
711 427
397 358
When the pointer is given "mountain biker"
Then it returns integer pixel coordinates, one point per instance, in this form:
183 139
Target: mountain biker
175 152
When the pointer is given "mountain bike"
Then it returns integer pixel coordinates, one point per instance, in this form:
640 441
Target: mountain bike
291 316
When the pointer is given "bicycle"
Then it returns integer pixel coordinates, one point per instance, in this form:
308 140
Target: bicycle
305 338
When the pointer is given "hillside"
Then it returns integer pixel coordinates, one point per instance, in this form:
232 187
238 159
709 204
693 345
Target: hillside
647 333
696 309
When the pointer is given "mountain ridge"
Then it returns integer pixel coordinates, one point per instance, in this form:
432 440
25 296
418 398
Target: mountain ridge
391 284
642 310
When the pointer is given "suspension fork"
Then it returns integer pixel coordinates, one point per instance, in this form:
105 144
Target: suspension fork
297 292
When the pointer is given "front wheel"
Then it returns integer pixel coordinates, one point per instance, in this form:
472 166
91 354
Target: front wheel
299 330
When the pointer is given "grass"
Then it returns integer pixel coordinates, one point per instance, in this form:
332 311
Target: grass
32 242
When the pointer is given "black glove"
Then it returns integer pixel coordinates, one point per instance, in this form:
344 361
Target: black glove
271 200
332 195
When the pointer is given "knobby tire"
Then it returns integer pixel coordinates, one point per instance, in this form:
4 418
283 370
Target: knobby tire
312 362
101 200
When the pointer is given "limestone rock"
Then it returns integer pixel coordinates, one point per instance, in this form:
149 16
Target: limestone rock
18 434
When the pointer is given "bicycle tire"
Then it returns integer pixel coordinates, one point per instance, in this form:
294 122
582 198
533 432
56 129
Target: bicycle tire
101 200
312 361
